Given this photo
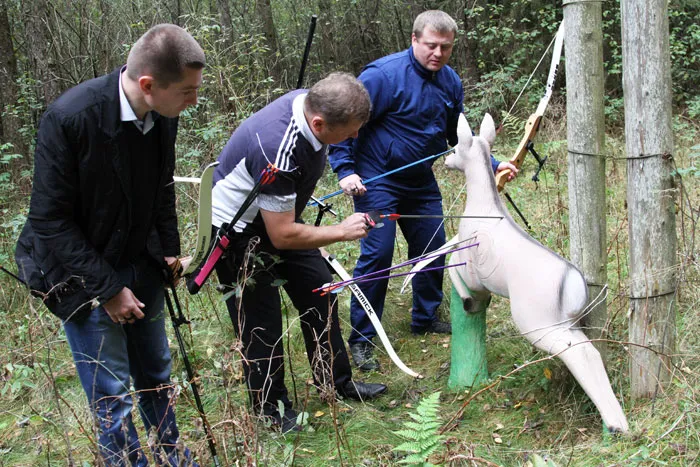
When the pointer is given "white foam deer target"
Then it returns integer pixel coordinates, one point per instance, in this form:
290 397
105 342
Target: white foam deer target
548 294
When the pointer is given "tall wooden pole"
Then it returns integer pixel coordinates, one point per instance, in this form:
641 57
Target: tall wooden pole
583 44
646 79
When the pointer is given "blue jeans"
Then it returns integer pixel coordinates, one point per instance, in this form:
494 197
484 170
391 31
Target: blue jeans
377 249
107 354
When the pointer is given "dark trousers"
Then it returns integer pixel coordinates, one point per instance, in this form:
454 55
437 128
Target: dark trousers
377 250
257 318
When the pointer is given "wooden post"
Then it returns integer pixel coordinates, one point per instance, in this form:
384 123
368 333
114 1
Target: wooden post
651 193
468 364
585 115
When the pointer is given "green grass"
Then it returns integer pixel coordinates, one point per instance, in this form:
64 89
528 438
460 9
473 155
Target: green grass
538 409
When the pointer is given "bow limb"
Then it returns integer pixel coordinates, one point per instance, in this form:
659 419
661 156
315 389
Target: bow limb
364 302
203 214
533 122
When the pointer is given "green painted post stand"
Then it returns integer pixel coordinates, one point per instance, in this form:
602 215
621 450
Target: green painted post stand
468 366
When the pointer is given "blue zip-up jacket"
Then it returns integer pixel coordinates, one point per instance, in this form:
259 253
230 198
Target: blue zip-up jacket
414 114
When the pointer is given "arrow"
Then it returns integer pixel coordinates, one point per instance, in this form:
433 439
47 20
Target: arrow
394 217
373 275
371 314
372 179
334 287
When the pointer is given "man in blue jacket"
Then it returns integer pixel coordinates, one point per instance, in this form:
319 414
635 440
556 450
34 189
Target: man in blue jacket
101 228
416 102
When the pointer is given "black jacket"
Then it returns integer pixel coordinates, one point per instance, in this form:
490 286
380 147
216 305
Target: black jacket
80 211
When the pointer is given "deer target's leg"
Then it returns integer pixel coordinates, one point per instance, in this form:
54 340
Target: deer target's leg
469 302
584 361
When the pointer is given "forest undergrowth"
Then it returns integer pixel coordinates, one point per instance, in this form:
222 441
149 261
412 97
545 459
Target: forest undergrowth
532 412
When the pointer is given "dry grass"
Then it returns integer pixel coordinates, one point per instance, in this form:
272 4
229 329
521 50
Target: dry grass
537 409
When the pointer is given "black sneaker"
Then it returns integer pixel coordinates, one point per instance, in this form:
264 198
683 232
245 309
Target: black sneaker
363 356
287 423
436 327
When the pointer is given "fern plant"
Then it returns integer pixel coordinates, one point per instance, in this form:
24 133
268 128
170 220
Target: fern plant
420 435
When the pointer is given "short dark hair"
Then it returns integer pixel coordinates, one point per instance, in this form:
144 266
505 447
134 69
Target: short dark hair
164 52
339 98
436 20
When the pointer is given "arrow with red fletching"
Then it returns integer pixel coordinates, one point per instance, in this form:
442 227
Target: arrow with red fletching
395 217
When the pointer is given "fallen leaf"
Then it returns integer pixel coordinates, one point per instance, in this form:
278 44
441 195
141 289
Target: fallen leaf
548 373
319 414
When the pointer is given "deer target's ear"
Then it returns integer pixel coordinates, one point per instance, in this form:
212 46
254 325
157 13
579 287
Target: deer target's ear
464 133
488 129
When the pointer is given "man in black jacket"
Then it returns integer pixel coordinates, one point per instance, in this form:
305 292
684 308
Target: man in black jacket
101 228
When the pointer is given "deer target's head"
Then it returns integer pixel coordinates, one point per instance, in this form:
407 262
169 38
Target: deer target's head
469 147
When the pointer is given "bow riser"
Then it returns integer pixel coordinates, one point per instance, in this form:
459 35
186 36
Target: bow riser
531 127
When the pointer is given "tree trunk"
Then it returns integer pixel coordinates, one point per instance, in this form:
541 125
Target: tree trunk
9 123
402 34
471 73
226 23
651 192
176 12
325 25
586 141
39 48
263 10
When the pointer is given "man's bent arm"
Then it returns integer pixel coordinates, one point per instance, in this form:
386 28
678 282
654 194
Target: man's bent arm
286 234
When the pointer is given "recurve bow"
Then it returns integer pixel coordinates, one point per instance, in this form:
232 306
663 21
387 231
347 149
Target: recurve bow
533 122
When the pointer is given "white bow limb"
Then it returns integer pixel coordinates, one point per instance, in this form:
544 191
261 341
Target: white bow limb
203 214
364 302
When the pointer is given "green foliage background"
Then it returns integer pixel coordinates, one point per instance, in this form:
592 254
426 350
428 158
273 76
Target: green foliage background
539 412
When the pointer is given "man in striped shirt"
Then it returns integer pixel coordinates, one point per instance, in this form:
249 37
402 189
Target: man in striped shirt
273 248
